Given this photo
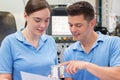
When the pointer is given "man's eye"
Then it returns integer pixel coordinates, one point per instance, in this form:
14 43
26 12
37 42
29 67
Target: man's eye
78 25
70 25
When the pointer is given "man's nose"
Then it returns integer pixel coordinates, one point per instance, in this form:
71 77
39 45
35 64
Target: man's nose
73 29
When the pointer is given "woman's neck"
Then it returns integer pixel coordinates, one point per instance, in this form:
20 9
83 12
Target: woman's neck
31 38
29 35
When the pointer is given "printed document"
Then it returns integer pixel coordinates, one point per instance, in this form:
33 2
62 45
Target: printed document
30 76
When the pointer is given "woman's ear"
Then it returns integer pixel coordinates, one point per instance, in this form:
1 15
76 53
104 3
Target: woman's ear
25 15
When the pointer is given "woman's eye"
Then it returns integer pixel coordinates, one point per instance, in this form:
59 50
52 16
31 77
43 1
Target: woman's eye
47 20
37 20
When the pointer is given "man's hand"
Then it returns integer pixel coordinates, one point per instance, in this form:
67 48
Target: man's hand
72 66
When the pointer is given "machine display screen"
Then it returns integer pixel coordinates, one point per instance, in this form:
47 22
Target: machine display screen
60 25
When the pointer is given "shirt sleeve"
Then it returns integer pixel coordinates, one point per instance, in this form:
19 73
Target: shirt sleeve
5 57
115 52
67 58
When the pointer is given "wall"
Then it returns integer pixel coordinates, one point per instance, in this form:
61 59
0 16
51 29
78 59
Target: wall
16 7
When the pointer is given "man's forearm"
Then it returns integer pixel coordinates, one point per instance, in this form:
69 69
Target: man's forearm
104 73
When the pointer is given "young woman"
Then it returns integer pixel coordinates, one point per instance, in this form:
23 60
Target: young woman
29 50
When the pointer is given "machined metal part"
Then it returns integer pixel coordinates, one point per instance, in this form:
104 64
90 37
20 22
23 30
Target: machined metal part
57 71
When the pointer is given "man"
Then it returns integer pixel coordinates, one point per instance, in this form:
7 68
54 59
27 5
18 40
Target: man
93 56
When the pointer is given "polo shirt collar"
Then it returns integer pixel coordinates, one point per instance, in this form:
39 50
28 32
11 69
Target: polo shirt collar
21 38
100 38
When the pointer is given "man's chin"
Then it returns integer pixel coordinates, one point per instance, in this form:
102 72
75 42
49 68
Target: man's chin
76 39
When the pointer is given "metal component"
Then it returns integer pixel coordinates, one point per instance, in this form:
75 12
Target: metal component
57 72
61 71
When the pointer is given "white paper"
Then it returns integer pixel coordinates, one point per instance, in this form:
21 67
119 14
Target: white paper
30 76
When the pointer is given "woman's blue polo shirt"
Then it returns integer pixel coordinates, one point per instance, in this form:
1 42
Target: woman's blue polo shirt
16 55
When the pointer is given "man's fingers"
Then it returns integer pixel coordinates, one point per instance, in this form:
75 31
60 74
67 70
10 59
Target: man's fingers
63 64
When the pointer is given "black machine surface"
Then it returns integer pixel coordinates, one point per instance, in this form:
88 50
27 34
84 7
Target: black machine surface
7 24
101 29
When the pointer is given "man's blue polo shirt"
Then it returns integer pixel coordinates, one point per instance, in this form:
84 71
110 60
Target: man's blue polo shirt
104 52
16 55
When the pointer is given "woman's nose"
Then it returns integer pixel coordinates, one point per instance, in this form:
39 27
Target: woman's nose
43 24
